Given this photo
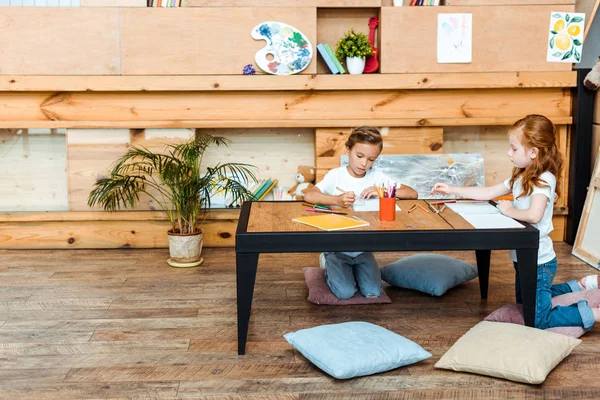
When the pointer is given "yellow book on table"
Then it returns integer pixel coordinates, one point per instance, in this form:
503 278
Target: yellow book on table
331 222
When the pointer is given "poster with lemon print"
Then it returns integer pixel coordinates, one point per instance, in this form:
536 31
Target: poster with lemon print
565 38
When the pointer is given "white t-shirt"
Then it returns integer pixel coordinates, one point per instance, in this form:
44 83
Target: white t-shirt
340 177
546 250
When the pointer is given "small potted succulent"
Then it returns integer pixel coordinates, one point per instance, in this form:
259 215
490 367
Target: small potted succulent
354 46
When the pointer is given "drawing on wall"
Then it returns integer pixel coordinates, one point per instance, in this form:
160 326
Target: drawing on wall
454 38
565 38
422 171
288 51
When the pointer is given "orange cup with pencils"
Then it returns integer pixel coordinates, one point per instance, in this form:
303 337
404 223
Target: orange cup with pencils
387 208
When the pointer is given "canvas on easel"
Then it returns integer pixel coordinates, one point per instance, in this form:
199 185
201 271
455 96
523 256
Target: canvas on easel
587 242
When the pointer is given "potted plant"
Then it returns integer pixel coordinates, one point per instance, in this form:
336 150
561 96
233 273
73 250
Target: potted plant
355 47
174 180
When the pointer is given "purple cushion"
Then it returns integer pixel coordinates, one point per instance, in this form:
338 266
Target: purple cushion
319 292
513 313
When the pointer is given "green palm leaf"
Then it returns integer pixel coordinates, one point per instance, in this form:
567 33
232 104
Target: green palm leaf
173 179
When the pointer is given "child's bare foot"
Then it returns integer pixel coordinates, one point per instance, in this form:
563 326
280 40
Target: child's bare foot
589 282
596 312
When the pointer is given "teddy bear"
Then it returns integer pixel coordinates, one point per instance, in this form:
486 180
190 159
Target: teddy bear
304 177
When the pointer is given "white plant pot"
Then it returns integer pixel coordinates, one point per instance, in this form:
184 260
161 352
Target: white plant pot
185 250
356 65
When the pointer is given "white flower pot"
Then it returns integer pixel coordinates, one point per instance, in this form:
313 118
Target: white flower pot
356 65
185 250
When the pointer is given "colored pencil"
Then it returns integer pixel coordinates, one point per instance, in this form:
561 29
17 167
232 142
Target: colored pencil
422 208
443 202
320 206
325 211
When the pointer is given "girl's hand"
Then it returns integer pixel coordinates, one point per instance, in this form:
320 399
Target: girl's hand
505 207
442 188
369 192
346 199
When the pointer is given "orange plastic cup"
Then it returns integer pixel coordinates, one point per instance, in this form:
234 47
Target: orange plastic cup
387 209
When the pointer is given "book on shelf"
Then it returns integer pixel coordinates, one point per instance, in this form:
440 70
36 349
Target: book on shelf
337 62
425 3
327 58
268 189
264 189
166 3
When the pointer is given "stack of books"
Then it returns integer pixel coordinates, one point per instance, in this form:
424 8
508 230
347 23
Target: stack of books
335 66
425 3
166 3
262 188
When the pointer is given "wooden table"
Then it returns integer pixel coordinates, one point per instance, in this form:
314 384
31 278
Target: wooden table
267 227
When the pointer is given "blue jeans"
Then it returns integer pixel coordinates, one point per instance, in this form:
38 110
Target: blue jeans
577 314
344 273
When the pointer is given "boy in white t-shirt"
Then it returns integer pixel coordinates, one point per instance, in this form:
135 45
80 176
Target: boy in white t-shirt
345 271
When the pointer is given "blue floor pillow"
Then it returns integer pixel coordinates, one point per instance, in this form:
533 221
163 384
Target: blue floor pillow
428 273
354 349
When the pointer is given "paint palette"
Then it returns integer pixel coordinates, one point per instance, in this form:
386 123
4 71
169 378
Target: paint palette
288 51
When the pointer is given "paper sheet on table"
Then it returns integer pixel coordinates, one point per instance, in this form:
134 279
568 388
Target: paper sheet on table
473 208
491 221
369 205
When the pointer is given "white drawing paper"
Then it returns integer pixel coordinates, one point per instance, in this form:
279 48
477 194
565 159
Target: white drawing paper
484 216
369 205
454 38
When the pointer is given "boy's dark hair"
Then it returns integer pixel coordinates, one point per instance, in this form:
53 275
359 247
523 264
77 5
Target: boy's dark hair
364 134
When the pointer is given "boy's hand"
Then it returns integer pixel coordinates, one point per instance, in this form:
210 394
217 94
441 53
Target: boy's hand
505 207
346 199
442 188
369 192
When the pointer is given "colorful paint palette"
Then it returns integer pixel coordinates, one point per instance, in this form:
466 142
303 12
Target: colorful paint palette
288 51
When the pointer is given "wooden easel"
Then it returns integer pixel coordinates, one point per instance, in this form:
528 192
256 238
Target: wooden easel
587 242
590 19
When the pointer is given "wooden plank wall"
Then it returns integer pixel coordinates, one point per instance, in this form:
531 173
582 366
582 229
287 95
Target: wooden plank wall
430 107
58 47
330 144
33 169
153 42
279 109
113 3
92 151
407 46
137 41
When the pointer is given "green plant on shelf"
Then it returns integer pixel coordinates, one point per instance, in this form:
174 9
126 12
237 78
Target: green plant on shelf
353 44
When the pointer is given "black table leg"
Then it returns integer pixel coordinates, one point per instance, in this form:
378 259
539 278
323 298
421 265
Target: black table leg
246 276
527 265
483 269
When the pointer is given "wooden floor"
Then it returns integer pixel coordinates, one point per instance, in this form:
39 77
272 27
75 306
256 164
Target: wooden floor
122 324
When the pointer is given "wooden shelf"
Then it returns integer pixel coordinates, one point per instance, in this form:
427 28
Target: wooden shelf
214 214
284 3
273 123
220 83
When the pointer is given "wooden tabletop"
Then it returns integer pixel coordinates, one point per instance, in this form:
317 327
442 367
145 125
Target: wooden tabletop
277 216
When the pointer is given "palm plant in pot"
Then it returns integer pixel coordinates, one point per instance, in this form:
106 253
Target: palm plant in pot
173 178
354 46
